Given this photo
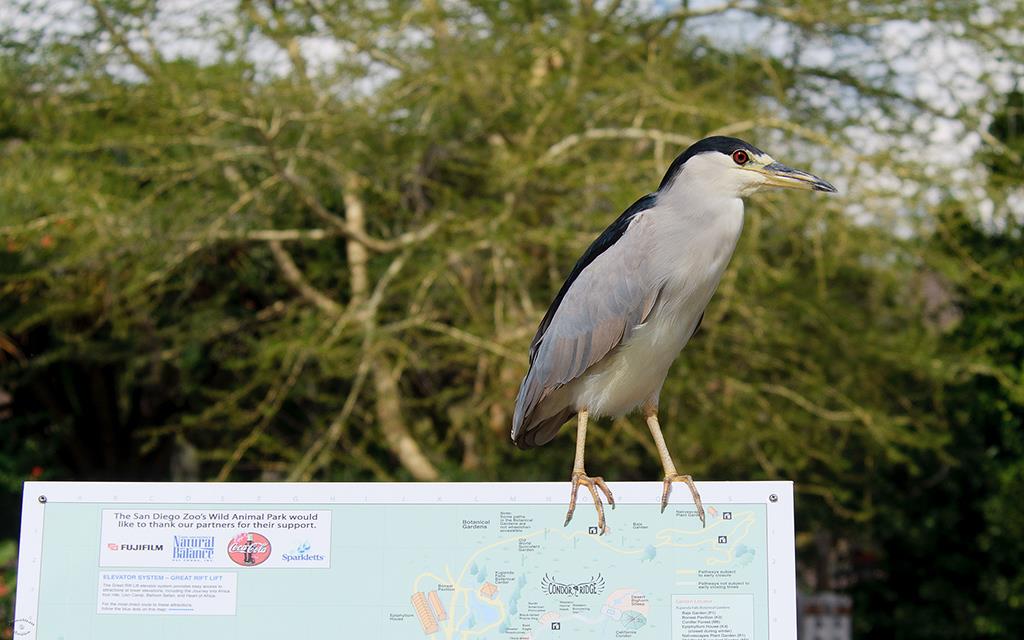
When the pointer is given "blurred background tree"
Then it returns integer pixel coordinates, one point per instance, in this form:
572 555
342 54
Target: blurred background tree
311 240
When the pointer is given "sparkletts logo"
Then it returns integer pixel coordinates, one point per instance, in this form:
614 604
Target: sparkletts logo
591 587
302 553
249 549
193 548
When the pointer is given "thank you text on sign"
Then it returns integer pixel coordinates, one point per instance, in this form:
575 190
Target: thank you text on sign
227 538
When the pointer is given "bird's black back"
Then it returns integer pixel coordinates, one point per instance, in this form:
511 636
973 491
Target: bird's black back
603 242
611 235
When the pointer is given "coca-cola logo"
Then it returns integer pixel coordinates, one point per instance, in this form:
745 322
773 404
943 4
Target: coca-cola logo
249 549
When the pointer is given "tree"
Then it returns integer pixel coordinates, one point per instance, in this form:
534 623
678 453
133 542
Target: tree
312 240
952 535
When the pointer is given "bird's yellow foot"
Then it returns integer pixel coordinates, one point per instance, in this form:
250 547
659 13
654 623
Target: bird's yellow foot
580 477
676 477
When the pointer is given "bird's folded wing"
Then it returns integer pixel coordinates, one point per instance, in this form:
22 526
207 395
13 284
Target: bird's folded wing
598 313
604 304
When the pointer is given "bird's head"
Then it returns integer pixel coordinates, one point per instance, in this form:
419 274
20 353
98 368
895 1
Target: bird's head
732 168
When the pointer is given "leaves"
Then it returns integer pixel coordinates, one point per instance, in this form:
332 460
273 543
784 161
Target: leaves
313 240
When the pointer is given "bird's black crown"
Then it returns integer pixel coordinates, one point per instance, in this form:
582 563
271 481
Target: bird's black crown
721 144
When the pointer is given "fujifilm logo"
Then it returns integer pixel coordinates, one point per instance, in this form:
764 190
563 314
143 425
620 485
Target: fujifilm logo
135 547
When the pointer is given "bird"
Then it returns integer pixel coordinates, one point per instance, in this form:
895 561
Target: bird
635 298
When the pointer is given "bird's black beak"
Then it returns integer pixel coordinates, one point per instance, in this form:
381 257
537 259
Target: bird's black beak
779 175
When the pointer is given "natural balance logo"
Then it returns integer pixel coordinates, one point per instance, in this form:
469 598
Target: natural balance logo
591 587
249 549
192 548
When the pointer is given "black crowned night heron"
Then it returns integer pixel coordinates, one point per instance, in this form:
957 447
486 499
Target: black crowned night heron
635 298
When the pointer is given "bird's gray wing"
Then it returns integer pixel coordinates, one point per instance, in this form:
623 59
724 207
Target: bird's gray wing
601 307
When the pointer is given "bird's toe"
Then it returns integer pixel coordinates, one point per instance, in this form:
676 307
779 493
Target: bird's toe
593 485
688 480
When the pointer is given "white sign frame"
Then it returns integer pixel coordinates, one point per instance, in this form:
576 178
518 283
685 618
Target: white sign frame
776 495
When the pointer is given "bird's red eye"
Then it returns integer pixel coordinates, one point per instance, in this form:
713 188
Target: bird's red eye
740 156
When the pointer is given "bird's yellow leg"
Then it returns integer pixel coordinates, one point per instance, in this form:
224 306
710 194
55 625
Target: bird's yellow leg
670 469
579 476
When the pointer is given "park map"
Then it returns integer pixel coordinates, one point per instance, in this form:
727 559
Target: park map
448 571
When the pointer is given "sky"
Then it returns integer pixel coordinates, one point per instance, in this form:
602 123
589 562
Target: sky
932 62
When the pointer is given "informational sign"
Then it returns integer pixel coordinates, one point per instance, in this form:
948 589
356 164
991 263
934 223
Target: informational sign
108 561
204 538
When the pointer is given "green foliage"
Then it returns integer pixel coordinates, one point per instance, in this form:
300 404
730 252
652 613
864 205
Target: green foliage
8 562
317 245
956 539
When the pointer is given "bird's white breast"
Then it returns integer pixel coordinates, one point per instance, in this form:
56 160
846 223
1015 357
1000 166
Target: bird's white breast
687 249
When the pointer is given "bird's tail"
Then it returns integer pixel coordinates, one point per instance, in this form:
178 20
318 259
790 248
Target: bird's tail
530 426
544 430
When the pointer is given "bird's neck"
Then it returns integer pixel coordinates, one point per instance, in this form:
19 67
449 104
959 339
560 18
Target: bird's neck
694 197
700 222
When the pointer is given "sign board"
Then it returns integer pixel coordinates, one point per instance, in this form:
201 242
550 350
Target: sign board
234 561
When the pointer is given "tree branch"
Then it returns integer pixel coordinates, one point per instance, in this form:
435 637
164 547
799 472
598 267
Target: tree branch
266 235
294 276
629 133
352 231
120 40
